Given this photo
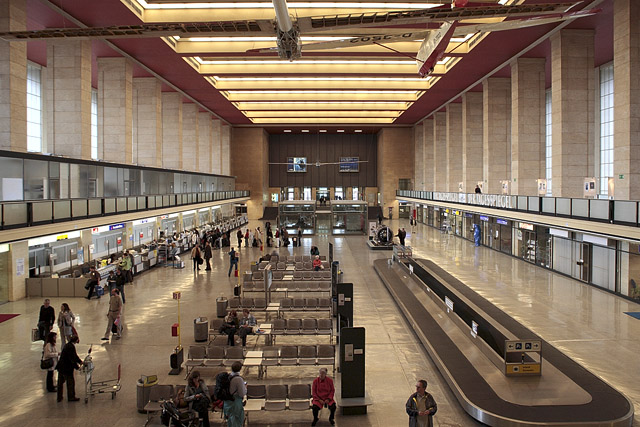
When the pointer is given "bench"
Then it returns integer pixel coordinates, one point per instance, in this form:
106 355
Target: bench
277 397
212 356
285 327
304 355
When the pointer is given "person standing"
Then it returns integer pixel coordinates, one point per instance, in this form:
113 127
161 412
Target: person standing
239 235
196 256
125 265
66 320
208 254
404 235
400 236
233 260
115 310
233 409
299 236
246 238
67 364
421 406
119 284
478 190
93 282
46 319
50 352
197 395
322 391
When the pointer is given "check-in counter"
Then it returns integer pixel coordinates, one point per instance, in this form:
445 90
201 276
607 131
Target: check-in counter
34 287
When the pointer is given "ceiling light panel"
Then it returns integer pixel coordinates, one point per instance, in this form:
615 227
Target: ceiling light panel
332 120
320 96
358 113
308 106
317 83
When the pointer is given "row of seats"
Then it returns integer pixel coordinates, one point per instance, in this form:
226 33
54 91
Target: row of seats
298 266
281 327
212 356
258 276
278 397
237 303
290 286
299 355
305 304
291 259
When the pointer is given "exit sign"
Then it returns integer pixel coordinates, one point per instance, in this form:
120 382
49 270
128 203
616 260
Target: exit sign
621 176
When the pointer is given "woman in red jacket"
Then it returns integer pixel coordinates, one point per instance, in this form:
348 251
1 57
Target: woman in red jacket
322 392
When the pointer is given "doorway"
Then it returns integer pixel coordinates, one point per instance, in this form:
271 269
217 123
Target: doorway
582 264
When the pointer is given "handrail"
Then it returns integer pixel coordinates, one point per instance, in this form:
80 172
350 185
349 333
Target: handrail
48 211
622 212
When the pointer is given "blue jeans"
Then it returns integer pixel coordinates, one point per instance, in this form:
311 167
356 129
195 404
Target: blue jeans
231 266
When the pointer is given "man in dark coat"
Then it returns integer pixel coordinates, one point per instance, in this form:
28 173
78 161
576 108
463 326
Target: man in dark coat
46 319
67 364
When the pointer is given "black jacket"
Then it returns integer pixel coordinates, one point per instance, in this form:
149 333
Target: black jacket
69 360
47 314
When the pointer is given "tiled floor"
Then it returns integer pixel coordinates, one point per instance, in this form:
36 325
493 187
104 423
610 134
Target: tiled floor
586 323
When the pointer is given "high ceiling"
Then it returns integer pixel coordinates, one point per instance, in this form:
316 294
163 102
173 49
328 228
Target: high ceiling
366 87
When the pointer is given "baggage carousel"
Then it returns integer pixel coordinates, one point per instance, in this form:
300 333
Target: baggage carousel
467 337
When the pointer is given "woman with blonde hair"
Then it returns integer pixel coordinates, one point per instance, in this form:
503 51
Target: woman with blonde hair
66 319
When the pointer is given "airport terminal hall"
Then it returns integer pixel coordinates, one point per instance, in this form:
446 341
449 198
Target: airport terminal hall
419 213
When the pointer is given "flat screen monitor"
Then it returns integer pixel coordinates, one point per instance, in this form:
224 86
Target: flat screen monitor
296 164
349 164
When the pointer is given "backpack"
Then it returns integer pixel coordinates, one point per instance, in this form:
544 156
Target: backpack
223 383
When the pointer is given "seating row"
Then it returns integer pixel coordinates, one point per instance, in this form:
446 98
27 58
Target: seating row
298 266
305 304
258 276
278 397
238 303
299 356
291 259
290 286
213 356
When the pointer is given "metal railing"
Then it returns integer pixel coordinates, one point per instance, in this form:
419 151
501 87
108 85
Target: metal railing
39 212
623 212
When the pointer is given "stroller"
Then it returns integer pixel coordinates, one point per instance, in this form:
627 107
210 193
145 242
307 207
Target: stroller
172 416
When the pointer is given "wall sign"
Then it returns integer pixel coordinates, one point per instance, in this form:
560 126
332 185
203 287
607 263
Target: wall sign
116 226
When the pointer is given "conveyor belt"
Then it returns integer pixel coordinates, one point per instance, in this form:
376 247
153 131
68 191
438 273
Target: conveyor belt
607 406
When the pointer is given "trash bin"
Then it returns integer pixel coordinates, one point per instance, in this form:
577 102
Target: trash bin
143 390
200 329
221 306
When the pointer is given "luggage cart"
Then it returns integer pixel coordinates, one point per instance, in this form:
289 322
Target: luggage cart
95 387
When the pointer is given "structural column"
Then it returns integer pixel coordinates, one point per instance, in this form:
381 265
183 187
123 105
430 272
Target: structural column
251 166
454 146
171 130
205 141
13 78
572 105
216 147
226 149
528 124
394 148
496 134
472 131
115 107
189 136
427 155
68 99
626 105
440 151
418 166
147 100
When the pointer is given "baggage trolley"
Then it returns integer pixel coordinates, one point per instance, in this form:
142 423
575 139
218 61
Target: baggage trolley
92 387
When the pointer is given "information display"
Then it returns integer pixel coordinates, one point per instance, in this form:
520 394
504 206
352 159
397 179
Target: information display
349 164
296 164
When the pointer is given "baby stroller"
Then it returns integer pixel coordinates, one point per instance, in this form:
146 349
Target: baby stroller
172 416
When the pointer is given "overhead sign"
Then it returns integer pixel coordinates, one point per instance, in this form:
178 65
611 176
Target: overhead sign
520 346
489 200
116 226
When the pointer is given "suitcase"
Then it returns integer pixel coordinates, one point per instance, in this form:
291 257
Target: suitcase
99 291
236 290
35 335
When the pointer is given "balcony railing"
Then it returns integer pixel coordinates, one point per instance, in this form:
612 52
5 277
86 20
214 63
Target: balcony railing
623 212
39 212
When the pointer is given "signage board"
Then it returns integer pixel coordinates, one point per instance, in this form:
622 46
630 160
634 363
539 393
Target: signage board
526 226
502 221
177 295
449 303
116 226
484 218
349 164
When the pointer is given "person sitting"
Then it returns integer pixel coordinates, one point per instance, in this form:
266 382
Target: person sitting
247 325
315 250
230 326
317 263
197 395
322 391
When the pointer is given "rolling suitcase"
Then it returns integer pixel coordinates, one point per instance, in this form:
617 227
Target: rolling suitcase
236 290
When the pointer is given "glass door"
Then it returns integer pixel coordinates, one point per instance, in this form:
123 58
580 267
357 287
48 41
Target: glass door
582 261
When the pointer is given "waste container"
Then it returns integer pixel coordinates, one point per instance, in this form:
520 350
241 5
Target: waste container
221 306
143 390
200 329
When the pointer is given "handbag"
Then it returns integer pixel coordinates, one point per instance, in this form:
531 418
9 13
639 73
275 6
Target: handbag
200 260
46 363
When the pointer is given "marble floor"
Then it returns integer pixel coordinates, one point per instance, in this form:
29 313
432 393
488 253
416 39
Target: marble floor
586 323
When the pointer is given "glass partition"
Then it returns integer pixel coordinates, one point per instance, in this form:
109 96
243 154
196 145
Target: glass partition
348 217
296 214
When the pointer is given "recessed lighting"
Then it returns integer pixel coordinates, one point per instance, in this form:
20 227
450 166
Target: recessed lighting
358 130
305 130
322 131
340 130
287 130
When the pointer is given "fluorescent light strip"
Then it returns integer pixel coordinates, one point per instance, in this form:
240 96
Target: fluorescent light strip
315 79
299 5
320 102
332 92
303 62
260 39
